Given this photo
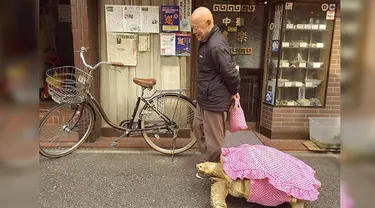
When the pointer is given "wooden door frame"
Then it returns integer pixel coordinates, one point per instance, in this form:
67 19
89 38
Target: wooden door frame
264 62
194 53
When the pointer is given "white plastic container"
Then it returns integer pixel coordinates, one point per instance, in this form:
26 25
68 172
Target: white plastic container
325 132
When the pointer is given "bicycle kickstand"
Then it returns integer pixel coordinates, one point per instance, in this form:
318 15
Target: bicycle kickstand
174 145
114 143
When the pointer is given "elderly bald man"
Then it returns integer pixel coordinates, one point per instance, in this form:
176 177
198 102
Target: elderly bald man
218 83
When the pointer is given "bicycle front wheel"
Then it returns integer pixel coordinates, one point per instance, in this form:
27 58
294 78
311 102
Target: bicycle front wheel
180 110
62 130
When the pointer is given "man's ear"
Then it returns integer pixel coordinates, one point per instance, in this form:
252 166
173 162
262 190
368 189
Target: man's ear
209 22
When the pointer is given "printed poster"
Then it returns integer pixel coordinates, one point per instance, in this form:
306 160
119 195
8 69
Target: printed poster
170 18
185 14
136 19
132 19
275 45
150 19
114 16
183 44
330 15
269 97
167 44
122 47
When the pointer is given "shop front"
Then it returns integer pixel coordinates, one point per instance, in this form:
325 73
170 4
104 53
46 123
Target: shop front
288 54
302 76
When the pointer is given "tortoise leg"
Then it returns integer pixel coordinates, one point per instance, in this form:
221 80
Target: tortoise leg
297 203
219 191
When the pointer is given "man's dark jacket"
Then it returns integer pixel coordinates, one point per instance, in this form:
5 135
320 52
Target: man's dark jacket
217 78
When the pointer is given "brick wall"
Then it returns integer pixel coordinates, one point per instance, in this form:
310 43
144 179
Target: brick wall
85 33
293 123
80 29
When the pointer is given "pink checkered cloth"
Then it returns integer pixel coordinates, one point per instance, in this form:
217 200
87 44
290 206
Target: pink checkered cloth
275 176
346 200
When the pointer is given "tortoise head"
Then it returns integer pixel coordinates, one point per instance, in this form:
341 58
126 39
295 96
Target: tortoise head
210 168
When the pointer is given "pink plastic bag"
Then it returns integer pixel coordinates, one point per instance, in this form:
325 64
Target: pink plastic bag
237 119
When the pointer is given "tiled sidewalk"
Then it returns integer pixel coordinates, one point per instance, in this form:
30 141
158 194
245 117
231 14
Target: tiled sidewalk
284 144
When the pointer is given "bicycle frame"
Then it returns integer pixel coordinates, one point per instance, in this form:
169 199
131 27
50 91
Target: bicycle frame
130 130
99 109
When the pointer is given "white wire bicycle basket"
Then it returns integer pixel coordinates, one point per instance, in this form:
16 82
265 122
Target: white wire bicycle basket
68 84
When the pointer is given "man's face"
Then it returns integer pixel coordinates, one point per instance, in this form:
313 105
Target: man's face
200 28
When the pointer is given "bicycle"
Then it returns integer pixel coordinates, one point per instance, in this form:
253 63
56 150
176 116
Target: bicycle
77 112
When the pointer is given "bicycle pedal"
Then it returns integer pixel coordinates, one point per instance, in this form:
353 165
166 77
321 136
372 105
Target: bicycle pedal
113 144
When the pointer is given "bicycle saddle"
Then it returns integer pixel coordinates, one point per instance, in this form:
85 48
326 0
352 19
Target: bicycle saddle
148 83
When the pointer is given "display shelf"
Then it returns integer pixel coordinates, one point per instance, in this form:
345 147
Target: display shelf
299 56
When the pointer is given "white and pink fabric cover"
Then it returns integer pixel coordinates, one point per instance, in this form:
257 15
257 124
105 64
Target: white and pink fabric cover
275 176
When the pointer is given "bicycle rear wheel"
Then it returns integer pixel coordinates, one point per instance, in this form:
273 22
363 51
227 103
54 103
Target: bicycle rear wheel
179 109
61 130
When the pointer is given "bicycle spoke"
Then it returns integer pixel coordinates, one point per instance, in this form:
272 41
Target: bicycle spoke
181 112
59 132
175 109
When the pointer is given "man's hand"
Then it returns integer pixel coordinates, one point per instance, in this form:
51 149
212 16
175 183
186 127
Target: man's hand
236 96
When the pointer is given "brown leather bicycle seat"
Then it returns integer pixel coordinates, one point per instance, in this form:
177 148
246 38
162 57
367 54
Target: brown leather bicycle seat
148 83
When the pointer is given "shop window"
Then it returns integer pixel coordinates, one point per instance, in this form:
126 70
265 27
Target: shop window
300 40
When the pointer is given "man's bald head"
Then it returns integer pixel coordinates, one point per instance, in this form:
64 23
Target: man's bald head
202 14
202 22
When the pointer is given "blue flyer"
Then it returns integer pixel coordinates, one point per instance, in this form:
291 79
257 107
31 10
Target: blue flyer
183 44
275 46
170 18
269 97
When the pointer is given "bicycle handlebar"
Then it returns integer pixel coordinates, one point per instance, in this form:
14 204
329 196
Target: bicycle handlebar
117 64
83 49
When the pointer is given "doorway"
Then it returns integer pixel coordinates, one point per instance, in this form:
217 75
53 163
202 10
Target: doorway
56 42
244 24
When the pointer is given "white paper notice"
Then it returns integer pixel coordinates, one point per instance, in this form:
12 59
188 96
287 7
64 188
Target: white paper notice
167 44
185 13
114 16
299 84
150 19
320 45
144 43
288 84
132 19
121 47
303 45
308 84
286 44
